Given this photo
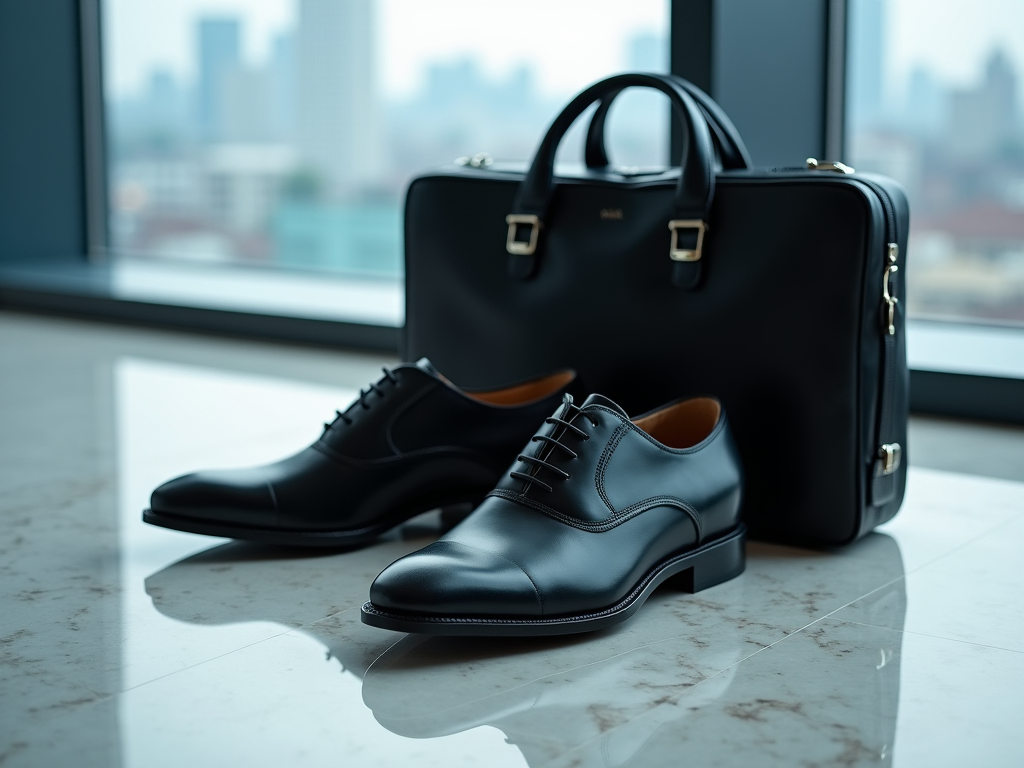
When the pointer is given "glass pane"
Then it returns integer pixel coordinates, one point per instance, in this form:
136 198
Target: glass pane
935 95
282 132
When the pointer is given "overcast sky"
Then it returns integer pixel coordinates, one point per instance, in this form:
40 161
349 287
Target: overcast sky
568 42
953 37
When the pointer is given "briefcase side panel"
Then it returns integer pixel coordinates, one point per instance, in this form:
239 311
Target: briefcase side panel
876 327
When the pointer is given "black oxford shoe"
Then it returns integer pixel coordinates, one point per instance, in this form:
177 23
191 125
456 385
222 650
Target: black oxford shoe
595 514
410 443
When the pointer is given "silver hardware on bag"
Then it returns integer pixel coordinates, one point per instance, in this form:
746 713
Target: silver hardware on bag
638 170
891 453
479 160
814 164
521 247
686 254
888 294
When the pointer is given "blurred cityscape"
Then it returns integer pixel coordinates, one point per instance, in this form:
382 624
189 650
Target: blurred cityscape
959 151
298 162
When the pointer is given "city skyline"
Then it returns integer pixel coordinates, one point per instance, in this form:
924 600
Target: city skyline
233 101
925 106
301 160
903 83
409 35
254 160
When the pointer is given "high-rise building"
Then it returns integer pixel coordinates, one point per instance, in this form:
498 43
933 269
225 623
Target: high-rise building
339 128
244 106
282 86
219 52
925 108
159 114
983 118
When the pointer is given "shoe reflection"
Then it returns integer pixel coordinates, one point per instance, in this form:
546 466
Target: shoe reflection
243 581
560 695
667 686
664 688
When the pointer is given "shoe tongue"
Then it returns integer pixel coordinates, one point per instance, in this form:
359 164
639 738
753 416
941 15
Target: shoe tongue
425 365
602 400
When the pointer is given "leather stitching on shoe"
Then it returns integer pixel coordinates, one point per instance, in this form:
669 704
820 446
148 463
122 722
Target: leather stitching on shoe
399 412
343 459
602 465
616 520
634 428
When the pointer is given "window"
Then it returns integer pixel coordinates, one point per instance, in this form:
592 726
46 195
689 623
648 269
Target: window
281 133
935 100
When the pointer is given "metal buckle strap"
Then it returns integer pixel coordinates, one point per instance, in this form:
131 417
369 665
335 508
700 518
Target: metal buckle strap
522 247
686 254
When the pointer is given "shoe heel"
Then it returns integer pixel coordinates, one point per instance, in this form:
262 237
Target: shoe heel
713 566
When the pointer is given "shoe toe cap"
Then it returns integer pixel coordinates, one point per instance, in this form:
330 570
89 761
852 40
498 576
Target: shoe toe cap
447 578
230 496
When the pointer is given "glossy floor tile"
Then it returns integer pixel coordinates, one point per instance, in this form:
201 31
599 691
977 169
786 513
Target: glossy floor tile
127 645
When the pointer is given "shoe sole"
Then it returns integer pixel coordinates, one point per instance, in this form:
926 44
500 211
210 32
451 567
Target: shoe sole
713 563
450 515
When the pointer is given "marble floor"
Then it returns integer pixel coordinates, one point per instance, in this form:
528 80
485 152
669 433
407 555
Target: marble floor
127 645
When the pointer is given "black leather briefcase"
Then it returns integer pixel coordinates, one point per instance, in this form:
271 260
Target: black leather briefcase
772 289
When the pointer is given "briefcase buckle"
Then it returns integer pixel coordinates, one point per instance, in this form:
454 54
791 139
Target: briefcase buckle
686 254
522 247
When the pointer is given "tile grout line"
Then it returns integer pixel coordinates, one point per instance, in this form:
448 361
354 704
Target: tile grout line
205 661
955 549
927 634
959 547
99 698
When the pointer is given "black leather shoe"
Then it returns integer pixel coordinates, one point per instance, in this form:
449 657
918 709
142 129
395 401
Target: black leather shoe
595 514
410 443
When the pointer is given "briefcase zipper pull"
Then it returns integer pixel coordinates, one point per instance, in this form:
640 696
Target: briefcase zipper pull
889 299
814 164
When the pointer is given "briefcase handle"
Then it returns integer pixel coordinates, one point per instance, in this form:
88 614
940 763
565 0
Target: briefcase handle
729 147
694 191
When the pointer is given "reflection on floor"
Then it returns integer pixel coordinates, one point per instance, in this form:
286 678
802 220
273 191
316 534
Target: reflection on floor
125 645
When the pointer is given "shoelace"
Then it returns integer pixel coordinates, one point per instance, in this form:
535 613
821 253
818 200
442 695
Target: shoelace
361 400
570 410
